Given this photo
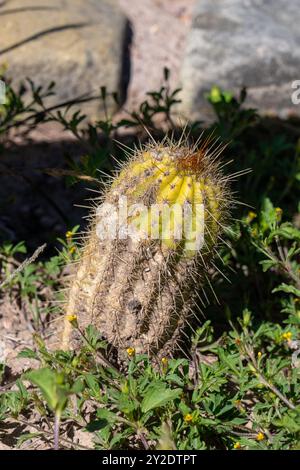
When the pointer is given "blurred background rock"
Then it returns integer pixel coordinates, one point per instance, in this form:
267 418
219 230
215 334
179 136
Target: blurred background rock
124 45
81 45
234 43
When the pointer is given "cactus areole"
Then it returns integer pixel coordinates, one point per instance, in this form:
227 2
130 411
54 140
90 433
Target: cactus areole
150 246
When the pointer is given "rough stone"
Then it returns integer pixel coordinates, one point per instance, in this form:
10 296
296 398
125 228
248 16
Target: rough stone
235 43
80 44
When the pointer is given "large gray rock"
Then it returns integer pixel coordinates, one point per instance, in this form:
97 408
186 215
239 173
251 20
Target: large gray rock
233 43
79 44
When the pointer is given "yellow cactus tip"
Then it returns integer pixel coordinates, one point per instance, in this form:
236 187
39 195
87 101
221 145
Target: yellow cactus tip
130 352
260 436
237 445
72 318
164 361
259 354
287 336
188 418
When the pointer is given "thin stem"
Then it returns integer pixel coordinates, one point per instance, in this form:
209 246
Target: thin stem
23 265
276 391
56 430
266 382
50 434
286 265
143 440
101 358
38 114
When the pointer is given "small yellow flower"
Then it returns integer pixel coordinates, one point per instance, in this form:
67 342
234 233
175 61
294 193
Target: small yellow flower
251 215
259 354
278 212
72 318
164 361
72 250
69 234
237 445
239 405
130 352
260 436
297 300
188 418
287 336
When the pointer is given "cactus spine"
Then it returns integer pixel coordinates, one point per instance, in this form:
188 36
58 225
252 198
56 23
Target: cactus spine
140 290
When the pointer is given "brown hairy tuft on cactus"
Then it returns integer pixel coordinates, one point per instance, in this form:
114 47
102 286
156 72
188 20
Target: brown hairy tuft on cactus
152 239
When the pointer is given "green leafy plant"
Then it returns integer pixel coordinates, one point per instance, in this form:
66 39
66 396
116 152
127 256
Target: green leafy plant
240 394
235 383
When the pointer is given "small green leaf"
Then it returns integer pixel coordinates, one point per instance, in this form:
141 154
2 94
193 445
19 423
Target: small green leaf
288 289
93 385
267 264
287 231
290 421
158 395
51 385
26 437
28 353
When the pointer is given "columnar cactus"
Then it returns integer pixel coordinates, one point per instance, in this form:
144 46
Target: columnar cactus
141 270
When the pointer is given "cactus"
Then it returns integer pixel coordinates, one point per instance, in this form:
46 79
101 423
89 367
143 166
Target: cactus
140 288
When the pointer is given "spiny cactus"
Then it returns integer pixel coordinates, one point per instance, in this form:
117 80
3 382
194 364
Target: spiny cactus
139 284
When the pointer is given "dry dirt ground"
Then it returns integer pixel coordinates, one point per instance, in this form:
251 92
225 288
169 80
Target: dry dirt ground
159 29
